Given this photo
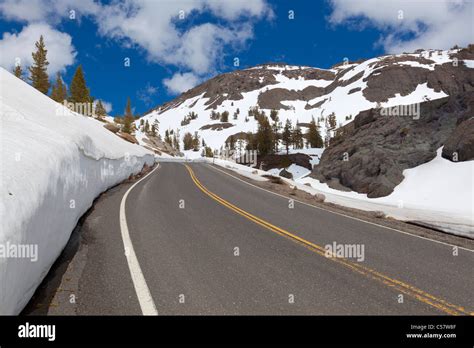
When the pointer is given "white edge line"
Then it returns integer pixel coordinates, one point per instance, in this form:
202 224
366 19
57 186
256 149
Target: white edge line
348 216
141 288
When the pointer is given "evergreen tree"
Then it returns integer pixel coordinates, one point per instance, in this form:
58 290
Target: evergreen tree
79 91
156 124
276 126
128 118
177 137
232 142
187 141
313 135
225 116
286 135
168 139
332 121
196 142
147 127
100 110
273 114
175 141
264 136
208 152
251 141
38 71
18 71
297 137
59 91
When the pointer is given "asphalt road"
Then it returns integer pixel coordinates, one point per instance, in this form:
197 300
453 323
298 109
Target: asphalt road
208 243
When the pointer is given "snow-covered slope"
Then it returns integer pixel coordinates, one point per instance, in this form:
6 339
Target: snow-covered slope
53 164
300 93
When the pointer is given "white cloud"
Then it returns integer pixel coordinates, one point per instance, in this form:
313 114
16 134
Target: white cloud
155 27
181 82
202 46
47 11
147 93
424 23
232 10
61 52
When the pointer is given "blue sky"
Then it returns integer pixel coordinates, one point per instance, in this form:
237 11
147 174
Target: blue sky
169 54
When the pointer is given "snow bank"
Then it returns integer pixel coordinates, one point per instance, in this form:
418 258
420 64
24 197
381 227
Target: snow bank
438 193
53 164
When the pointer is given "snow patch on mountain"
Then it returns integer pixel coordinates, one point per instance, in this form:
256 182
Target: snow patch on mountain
346 99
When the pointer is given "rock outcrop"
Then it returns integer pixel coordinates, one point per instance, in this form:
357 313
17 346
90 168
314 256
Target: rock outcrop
370 153
460 144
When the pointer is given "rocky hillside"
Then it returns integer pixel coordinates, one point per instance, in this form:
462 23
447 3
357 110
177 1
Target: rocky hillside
300 92
370 154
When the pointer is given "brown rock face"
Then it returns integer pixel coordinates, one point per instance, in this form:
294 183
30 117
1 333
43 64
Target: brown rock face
283 161
217 126
460 144
127 137
112 127
374 150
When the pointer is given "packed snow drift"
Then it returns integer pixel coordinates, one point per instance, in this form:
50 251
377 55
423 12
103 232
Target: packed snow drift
54 163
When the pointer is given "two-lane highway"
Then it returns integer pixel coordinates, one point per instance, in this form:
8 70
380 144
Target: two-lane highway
208 243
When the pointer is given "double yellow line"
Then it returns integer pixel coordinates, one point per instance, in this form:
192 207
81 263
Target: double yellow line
400 286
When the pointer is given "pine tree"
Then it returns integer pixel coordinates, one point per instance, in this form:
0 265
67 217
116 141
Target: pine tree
168 139
128 119
313 136
264 136
273 114
225 116
297 137
100 110
286 135
232 142
38 71
59 92
187 141
196 142
18 71
147 127
276 126
156 124
208 152
332 121
79 91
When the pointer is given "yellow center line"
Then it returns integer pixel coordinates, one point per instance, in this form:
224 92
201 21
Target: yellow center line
403 287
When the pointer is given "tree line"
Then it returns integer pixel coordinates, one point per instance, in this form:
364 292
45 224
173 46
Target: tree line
271 133
78 92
